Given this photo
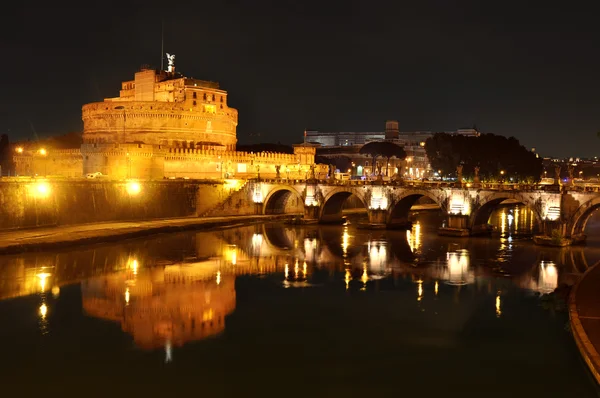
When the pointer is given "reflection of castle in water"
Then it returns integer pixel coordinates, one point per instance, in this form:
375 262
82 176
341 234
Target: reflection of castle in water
167 306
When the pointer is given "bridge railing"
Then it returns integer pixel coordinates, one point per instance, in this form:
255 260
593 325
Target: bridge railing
438 184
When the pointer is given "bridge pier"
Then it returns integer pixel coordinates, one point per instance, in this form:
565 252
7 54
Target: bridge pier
377 217
311 213
456 225
556 233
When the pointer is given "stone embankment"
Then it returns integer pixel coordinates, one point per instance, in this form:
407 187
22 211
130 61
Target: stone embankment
51 238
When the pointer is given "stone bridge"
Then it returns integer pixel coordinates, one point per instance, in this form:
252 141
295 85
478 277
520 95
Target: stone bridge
561 212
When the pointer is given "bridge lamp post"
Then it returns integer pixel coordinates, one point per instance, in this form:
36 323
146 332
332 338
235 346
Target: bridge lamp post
501 176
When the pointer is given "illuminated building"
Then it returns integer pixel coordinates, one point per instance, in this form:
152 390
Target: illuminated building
347 144
162 125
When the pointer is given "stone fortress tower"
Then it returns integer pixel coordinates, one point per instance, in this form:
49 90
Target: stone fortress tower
163 108
163 125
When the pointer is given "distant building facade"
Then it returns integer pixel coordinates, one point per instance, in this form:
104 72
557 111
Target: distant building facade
348 144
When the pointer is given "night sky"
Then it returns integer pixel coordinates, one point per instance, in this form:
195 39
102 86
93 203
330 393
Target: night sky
511 68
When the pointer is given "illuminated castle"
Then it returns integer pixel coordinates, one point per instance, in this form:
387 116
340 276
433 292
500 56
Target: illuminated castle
163 108
162 125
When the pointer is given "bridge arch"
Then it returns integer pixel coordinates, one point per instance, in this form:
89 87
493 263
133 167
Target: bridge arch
333 202
400 208
483 210
282 199
582 216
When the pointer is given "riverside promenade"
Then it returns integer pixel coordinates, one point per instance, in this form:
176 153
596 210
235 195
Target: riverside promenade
584 313
48 238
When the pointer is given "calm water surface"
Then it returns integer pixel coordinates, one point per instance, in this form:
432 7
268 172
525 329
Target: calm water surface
296 311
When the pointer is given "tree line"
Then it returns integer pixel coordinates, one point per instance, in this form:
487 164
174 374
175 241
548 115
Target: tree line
498 157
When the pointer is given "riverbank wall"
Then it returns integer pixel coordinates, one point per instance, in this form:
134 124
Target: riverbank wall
30 203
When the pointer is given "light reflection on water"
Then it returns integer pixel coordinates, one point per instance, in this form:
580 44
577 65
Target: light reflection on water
169 291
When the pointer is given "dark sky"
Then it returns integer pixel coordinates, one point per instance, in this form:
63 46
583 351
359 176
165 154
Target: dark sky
512 68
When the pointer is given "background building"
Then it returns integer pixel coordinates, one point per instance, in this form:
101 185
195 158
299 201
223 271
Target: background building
346 145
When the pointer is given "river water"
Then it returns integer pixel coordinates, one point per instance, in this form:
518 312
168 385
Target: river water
271 309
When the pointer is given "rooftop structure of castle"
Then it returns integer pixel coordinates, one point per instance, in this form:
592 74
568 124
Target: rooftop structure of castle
163 108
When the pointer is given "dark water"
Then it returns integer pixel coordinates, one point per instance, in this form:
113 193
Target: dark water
284 311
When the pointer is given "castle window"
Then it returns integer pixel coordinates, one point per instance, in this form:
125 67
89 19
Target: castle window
204 96
194 101
213 97
221 106
210 108
221 98
194 95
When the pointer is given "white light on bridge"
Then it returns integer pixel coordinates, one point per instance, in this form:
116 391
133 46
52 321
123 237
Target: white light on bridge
311 196
379 200
257 196
553 213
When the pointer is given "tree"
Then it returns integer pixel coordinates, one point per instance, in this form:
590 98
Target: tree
491 153
390 150
382 148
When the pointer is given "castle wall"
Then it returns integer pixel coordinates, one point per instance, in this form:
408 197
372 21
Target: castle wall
155 162
160 123
31 203
61 162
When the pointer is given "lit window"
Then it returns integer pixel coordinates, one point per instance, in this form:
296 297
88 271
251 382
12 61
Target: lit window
210 108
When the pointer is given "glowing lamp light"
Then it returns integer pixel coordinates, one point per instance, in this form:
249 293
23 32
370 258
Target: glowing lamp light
42 152
133 188
43 310
42 189
19 150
